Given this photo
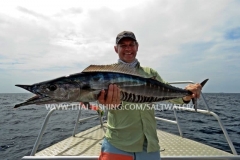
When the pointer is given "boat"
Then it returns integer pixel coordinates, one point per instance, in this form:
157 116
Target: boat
86 145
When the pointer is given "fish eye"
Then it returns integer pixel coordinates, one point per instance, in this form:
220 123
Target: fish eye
52 87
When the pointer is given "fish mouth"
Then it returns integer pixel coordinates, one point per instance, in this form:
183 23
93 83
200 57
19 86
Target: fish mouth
38 98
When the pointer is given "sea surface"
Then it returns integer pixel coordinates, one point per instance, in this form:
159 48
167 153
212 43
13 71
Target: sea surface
19 127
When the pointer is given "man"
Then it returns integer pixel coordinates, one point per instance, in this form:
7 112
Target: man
131 134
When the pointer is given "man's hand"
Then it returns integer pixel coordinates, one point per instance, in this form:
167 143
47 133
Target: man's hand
195 89
112 98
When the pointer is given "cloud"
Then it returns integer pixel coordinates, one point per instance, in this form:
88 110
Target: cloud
30 12
181 39
32 44
73 11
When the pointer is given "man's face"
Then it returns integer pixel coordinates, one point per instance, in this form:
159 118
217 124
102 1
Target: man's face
126 49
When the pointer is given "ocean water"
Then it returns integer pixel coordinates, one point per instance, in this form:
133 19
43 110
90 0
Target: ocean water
19 127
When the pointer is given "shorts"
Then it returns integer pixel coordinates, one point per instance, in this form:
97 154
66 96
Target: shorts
109 152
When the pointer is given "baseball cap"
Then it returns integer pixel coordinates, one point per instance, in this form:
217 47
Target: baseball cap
125 34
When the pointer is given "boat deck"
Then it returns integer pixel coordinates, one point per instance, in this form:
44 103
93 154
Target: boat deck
88 143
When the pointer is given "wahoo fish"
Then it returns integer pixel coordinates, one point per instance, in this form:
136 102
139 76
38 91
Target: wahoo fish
87 85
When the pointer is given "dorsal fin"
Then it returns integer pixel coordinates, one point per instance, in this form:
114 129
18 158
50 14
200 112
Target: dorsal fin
116 68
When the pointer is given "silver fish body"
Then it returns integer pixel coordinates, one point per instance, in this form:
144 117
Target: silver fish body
86 86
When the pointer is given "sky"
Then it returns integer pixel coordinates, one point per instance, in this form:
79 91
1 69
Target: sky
183 40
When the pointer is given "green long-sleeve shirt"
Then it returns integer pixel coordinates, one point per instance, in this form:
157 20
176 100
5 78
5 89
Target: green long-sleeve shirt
129 126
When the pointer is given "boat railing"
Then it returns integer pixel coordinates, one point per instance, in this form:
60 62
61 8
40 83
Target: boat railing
207 112
78 120
162 158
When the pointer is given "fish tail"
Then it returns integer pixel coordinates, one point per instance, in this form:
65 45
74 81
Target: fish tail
204 82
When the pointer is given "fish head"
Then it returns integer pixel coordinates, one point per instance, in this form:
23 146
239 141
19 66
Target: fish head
55 91
59 91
